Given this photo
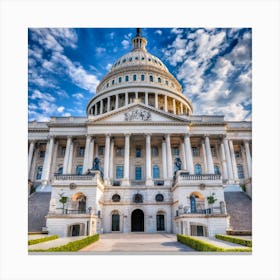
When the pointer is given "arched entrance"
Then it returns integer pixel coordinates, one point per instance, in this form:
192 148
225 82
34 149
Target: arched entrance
137 220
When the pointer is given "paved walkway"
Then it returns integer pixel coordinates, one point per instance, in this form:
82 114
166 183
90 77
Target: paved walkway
37 236
54 243
137 242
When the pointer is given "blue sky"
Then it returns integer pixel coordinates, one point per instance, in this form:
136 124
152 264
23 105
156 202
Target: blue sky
214 67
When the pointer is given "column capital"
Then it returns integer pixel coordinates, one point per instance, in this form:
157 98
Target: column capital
187 135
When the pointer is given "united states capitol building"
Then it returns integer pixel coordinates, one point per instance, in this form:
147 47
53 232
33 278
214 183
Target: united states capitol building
140 160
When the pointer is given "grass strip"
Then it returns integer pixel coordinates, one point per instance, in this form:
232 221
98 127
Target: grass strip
73 246
40 240
201 245
236 240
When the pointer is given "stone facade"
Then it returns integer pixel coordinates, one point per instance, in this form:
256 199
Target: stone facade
140 160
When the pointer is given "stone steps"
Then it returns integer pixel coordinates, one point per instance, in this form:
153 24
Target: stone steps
239 208
38 208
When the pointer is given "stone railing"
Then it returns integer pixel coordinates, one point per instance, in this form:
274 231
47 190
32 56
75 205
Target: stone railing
183 177
207 211
91 178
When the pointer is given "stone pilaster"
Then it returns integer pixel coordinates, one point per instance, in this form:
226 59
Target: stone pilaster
228 159
30 155
86 155
248 158
234 166
66 156
149 181
210 165
224 162
169 157
204 157
47 161
189 157
106 159
164 164
126 181
111 163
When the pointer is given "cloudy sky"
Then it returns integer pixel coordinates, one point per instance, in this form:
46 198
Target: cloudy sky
213 66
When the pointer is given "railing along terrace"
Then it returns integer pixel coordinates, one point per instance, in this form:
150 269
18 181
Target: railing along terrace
206 211
188 176
78 177
71 211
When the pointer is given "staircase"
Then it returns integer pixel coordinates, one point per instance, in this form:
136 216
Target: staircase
239 208
38 208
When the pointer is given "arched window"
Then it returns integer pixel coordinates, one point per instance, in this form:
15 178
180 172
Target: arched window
240 171
60 170
134 77
116 198
159 80
155 172
39 172
79 169
198 170
151 78
142 77
216 169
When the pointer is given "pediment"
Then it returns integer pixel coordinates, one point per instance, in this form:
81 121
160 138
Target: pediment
135 113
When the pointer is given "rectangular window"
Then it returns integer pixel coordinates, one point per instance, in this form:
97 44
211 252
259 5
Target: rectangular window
155 151
175 151
120 151
126 78
119 171
138 173
134 78
42 154
138 152
151 78
81 151
240 171
101 150
39 172
142 77
113 82
62 151
120 79
237 154
195 151
213 151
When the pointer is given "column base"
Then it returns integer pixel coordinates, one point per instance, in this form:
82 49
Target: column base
149 182
168 182
107 182
125 183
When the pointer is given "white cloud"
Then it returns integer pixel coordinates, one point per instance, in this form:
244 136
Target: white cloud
60 109
66 115
42 96
47 107
125 44
78 96
100 50
158 32
108 66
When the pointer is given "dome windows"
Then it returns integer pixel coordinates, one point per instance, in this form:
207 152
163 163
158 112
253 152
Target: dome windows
136 57
134 77
143 58
142 77
126 78
124 60
151 78
166 82
130 59
159 80
113 82
120 80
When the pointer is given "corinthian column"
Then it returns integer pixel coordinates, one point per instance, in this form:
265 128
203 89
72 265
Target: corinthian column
30 155
66 155
111 163
149 181
228 159
234 166
248 158
169 157
224 163
106 159
164 166
210 164
125 181
86 155
47 162
188 150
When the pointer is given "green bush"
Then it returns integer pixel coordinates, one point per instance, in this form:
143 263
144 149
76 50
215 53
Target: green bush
72 246
200 245
236 240
40 240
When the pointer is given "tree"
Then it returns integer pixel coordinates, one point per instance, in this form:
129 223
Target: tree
63 200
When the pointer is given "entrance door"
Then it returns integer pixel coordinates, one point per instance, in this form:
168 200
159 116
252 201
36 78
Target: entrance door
160 222
75 230
137 220
115 222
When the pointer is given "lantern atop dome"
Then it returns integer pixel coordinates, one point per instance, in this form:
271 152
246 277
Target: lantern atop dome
139 42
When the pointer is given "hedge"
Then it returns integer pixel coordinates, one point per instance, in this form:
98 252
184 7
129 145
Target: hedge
73 246
44 239
236 240
200 245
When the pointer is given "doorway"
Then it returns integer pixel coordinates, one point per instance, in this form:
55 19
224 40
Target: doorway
137 221
75 230
160 222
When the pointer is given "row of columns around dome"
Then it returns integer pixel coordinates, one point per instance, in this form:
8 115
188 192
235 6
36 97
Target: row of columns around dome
156 100
226 162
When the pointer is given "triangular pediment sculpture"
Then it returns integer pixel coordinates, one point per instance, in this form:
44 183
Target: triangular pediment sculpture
136 112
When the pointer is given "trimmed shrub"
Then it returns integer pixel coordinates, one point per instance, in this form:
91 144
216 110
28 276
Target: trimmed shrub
73 246
234 239
40 240
200 245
